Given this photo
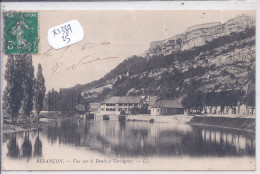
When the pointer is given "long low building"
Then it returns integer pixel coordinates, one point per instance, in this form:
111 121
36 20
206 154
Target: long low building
167 107
114 105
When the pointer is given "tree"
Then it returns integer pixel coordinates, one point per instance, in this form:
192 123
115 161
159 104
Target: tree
144 110
193 100
28 83
122 112
39 91
13 93
134 110
249 100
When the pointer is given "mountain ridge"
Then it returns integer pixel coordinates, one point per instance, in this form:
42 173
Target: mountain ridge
199 35
220 63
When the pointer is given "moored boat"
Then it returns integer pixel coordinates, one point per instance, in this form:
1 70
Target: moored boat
105 117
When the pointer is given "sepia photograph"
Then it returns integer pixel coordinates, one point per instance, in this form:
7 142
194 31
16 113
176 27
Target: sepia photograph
128 90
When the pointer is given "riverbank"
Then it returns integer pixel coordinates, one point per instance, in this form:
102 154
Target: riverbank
242 122
47 117
10 128
246 124
160 119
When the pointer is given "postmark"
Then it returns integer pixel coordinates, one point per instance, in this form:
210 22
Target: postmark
21 32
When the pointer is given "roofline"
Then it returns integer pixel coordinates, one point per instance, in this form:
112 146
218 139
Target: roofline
104 101
168 107
178 107
119 102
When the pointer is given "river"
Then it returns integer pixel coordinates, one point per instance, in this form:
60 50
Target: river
99 140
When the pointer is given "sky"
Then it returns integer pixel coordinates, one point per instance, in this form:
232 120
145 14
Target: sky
111 37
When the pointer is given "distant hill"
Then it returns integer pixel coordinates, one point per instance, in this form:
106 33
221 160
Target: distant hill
208 57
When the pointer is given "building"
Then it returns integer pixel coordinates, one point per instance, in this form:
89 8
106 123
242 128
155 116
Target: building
114 105
167 107
94 107
149 101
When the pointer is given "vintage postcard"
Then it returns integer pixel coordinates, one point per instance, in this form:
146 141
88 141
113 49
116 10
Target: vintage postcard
128 89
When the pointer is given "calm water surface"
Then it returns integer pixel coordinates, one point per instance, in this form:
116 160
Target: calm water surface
128 139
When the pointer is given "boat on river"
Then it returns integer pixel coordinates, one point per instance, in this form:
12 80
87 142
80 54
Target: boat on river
105 117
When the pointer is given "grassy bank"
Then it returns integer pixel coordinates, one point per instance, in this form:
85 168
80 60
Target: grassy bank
8 127
46 118
18 127
247 124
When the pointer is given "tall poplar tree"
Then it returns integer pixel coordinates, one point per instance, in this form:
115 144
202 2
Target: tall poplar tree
13 93
39 91
28 84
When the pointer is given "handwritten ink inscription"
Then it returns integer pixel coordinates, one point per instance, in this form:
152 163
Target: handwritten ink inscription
82 61
65 34
60 66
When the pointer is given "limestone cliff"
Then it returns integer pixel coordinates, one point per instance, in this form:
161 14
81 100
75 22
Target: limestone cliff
199 35
210 57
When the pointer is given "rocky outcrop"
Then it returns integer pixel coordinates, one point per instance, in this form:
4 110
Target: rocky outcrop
212 62
199 35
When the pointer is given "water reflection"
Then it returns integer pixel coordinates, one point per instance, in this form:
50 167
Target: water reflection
37 146
20 144
237 141
26 146
12 146
141 139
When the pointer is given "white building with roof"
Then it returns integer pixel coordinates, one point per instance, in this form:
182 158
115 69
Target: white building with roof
114 105
167 107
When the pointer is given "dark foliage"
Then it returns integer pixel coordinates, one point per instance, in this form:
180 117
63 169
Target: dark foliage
198 99
64 100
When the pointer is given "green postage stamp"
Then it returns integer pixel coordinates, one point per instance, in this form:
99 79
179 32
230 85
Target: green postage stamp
21 32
